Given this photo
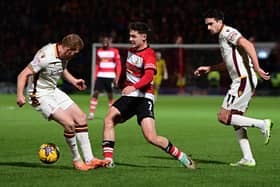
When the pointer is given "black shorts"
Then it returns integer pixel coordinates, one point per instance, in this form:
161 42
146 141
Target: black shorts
104 84
139 106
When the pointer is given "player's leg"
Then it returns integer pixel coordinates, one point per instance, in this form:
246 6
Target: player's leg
93 104
149 132
51 110
145 118
109 90
239 103
78 118
241 134
98 88
111 119
242 137
81 129
70 137
118 113
265 125
110 99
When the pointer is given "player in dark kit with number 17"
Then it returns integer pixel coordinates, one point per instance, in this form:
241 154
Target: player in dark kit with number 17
138 97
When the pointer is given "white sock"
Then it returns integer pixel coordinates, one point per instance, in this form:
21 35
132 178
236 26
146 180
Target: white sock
85 145
72 143
242 121
242 138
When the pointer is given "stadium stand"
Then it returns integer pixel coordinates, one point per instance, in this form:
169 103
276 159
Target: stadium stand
27 25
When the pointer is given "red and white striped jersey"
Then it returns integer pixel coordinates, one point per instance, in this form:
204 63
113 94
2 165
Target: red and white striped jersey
108 63
137 62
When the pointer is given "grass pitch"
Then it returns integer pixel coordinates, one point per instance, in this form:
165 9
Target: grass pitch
189 122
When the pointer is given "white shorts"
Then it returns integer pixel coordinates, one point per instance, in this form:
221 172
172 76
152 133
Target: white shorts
239 95
50 102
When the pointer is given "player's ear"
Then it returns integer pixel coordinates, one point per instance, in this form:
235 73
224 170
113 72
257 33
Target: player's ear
144 37
220 21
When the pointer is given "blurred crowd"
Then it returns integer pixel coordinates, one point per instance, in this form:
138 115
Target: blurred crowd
27 25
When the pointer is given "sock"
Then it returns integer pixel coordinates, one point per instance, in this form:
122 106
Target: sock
93 104
82 137
173 150
242 138
243 121
108 149
70 139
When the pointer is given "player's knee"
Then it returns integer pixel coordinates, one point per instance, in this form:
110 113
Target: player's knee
222 118
70 128
108 122
81 119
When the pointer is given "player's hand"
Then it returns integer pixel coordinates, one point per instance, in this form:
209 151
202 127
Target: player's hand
80 84
21 101
127 90
201 69
263 74
115 83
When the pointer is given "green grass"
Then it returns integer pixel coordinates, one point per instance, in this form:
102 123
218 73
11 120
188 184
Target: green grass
189 122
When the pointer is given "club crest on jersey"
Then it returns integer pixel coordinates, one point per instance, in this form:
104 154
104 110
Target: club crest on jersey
135 60
232 36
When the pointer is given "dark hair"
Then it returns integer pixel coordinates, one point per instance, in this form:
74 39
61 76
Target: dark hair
214 13
141 27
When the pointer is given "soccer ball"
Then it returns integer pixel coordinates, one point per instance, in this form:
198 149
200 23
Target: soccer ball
48 153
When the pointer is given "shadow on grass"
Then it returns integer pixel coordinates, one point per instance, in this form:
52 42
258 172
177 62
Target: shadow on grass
211 162
139 166
34 165
148 166
204 161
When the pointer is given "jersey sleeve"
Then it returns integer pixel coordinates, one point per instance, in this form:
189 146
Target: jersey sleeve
39 62
232 35
150 61
118 63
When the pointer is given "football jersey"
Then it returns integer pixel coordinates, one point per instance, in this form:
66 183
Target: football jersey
48 69
234 57
137 62
108 62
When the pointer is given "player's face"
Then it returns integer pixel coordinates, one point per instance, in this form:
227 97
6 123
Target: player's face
69 53
106 42
137 39
158 56
213 25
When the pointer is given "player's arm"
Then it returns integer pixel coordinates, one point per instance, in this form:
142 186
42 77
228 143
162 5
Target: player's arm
78 83
21 82
118 67
207 69
145 80
250 49
96 66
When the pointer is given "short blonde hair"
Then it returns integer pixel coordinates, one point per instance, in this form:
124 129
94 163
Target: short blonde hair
73 41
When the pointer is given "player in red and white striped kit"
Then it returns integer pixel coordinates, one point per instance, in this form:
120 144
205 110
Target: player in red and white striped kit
138 98
107 72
